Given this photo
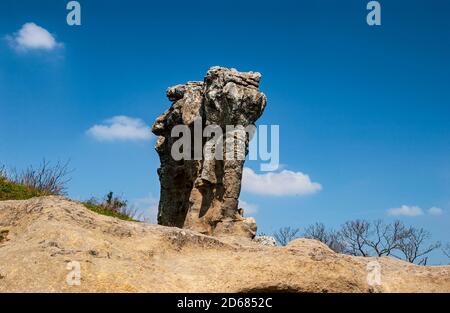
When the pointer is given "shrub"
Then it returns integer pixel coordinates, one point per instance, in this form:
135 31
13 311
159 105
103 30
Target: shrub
47 178
32 182
112 206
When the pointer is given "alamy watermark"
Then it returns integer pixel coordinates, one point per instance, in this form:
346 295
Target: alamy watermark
73 278
230 143
74 15
374 16
373 274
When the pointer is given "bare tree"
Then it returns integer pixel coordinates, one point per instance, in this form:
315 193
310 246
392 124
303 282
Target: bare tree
355 234
285 234
336 242
331 238
363 238
316 231
446 250
383 238
412 245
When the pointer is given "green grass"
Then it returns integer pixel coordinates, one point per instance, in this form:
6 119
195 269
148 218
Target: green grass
101 209
13 191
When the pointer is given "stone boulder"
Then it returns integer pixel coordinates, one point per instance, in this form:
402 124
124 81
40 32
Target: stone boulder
200 191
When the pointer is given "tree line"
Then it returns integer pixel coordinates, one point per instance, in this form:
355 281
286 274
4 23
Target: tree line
363 238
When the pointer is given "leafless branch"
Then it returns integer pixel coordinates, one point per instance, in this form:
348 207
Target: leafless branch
446 250
48 179
355 234
385 238
332 239
412 245
286 234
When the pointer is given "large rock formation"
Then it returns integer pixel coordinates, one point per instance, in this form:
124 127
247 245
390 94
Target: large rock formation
201 191
43 238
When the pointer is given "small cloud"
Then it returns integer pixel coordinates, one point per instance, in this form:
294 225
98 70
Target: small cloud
406 211
249 208
435 211
284 183
121 128
33 37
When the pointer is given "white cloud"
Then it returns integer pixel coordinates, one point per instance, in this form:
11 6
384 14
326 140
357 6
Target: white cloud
120 128
406 210
435 211
249 208
33 37
282 183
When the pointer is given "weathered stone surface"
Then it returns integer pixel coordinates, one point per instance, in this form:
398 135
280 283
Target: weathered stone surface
44 234
203 194
266 241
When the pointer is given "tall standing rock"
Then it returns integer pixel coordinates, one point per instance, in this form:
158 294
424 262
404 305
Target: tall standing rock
203 193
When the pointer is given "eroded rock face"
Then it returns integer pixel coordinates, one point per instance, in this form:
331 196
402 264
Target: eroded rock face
201 193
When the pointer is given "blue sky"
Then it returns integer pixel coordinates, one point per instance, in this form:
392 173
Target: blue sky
364 111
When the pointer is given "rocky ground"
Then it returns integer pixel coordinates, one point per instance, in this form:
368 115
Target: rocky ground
41 236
